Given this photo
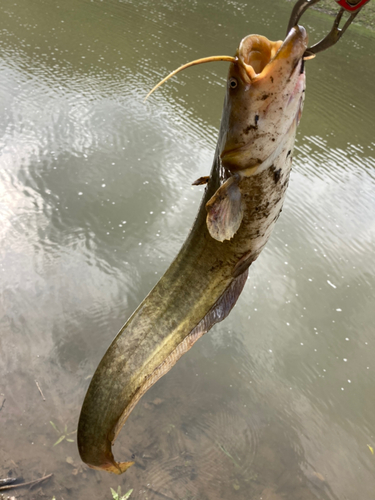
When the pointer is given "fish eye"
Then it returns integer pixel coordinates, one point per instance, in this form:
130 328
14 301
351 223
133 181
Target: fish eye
233 83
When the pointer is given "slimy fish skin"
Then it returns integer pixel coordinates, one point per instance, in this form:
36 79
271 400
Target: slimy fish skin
243 198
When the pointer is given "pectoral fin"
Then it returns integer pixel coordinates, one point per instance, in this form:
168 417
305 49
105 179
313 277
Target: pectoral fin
225 210
201 180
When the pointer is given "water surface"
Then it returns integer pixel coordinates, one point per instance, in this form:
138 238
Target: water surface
95 202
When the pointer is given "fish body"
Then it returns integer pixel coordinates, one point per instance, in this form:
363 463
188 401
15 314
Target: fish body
240 206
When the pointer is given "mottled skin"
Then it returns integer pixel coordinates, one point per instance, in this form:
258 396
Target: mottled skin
255 145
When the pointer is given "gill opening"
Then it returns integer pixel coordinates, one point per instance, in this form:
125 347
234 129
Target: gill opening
188 65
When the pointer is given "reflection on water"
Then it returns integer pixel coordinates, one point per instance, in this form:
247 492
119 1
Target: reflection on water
95 201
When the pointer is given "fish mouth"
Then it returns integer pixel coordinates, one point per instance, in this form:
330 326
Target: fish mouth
258 57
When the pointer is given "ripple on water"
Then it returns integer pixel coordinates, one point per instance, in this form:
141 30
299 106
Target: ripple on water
202 455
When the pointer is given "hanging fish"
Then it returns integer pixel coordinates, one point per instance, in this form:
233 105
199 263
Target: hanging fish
241 204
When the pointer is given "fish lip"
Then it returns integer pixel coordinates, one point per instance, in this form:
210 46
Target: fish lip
294 46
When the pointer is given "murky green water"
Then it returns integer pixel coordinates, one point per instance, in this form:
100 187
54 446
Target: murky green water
95 201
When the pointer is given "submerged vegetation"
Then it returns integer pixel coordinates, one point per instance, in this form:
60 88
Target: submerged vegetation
63 435
116 495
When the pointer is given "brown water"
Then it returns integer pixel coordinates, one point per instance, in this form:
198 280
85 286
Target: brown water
277 402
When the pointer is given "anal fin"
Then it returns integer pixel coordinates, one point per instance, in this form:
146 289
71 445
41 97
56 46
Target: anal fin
222 307
225 210
218 312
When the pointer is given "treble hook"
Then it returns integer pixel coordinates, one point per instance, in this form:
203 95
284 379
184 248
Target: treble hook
351 6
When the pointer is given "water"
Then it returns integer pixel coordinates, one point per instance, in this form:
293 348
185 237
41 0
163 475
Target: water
96 200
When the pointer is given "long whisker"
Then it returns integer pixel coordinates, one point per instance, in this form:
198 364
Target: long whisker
192 63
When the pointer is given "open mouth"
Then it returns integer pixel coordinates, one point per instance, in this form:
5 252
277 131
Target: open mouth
255 52
257 55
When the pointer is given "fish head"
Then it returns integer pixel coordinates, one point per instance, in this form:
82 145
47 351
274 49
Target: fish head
264 98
